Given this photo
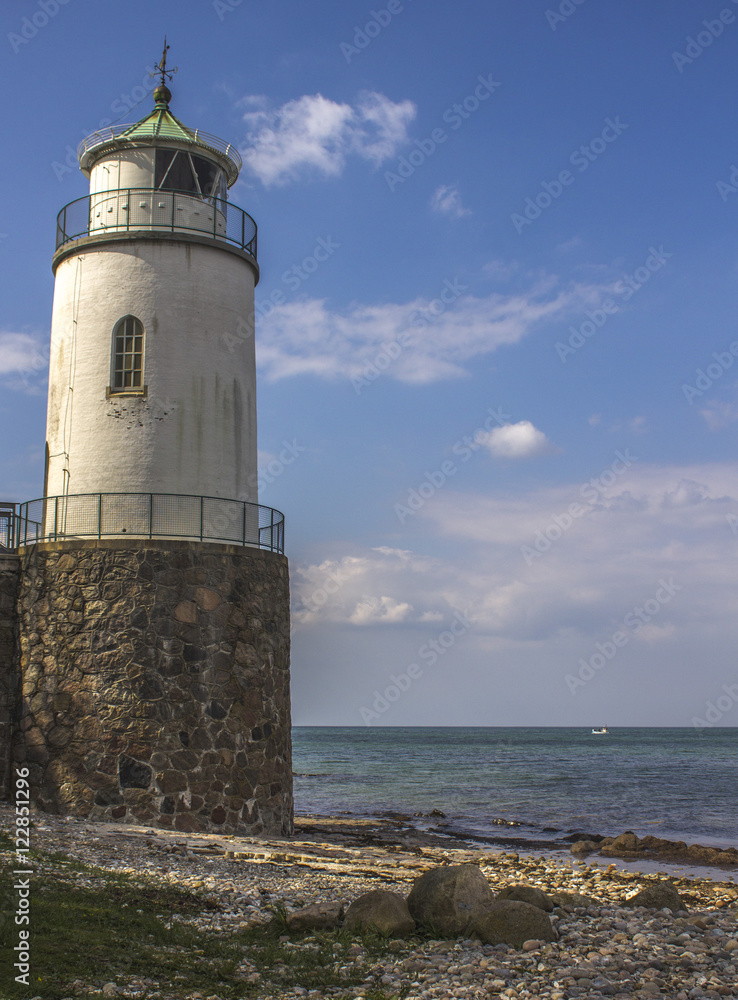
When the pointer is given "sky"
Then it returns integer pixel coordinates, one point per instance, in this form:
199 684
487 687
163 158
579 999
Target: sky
496 340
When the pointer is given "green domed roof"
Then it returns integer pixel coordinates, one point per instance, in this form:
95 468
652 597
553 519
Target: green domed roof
160 126
160 123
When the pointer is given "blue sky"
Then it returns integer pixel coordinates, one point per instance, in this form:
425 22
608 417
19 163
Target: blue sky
498 245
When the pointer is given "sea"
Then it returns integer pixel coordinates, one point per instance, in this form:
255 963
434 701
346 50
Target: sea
525 788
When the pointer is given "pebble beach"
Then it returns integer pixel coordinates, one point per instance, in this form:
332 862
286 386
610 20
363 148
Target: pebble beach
604 948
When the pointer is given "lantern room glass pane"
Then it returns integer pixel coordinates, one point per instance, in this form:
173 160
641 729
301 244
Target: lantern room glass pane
179 170
173 171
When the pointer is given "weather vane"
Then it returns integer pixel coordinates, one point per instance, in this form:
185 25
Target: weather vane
166 74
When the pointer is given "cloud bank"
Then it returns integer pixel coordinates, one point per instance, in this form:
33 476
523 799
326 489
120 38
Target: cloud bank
420 341
315 136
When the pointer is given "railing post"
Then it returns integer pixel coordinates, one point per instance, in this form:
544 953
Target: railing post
99 516
151 514
202 500
243 531
243 230
56 515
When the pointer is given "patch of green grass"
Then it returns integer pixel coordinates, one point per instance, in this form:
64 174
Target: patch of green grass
121 928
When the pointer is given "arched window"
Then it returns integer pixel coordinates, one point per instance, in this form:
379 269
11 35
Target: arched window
128 353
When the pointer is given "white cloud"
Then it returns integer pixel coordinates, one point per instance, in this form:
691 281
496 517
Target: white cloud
314 134
411 341
359 589
20 352
500 270
654 524
25 359
447 201
521 440
719 415
384 610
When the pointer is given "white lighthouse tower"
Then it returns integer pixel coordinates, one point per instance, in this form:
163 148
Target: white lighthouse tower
152 386
145 626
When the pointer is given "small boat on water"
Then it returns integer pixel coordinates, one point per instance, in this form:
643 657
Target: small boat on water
602 731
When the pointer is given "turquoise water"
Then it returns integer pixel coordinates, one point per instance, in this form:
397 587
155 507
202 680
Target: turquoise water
681 784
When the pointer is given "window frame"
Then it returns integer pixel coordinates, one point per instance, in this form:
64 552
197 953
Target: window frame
127 362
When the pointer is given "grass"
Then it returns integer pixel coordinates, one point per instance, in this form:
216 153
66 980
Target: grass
122 928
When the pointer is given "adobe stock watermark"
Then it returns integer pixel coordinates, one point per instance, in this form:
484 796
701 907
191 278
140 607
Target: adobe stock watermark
592 491
696 44
276 466
454 116
377 21
626 287
22 885
582 158
726 188
330 585
563 12
257 483
223 7
430 652
122 104
716 710
606 651
389 352
705 377
31 24
293 278
464 448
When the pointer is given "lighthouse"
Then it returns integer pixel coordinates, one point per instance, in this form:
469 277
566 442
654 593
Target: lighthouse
154 282
150 682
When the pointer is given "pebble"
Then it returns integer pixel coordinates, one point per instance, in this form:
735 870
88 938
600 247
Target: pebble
605 950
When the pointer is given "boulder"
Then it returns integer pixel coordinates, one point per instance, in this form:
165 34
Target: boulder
584 847
446 899
658 896
527 894
510 921
382 911
571 899
319 916
626 842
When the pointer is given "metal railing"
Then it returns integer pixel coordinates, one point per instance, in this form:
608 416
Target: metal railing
8 525
149 515
148 209
105 135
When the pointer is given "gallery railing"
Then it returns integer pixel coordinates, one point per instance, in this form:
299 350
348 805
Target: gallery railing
104 136
8 525
149 515
126 210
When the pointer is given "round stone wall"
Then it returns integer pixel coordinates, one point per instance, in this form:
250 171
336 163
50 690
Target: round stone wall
155 679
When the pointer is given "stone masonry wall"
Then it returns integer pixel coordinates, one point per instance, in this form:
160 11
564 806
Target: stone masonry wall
156 683
9 578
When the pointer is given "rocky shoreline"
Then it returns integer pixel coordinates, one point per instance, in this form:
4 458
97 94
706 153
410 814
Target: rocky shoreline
392 827
629 847
601 943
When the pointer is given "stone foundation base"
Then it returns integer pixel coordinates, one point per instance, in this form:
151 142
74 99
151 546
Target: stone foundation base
155 684
9 680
